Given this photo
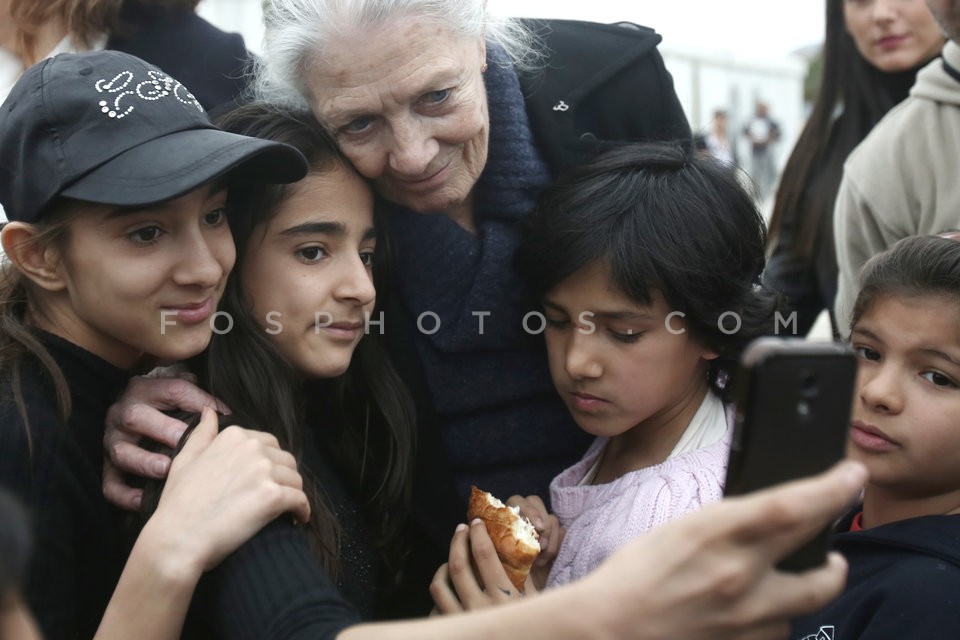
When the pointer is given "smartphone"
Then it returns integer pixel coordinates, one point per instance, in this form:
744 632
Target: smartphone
793 402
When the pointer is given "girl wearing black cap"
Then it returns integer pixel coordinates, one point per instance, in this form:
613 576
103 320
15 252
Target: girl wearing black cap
118 251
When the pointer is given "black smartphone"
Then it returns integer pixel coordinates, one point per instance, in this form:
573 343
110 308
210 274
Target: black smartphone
793 401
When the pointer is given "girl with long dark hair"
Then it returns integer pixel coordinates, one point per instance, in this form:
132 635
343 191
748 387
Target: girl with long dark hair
293 356
871 56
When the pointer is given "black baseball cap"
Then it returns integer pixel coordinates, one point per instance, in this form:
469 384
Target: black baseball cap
108 127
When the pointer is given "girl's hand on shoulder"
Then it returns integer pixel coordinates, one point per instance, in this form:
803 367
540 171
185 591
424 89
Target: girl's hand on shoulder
222 489
550 532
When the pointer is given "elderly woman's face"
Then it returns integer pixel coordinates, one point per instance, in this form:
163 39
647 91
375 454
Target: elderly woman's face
409 108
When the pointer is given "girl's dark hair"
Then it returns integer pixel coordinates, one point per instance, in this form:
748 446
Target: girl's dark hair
18 341
153 488
914 266
661 218
811 178
367 413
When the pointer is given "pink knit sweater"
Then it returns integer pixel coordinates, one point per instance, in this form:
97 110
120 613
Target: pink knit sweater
601 518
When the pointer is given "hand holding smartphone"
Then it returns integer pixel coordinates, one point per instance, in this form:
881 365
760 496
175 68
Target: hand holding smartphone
793 402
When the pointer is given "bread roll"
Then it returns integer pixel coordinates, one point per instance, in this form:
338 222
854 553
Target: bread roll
513 536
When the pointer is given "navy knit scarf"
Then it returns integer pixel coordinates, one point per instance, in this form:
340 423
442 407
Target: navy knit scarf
489 389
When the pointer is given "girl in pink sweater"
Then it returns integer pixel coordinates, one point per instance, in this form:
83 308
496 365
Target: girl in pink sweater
647 264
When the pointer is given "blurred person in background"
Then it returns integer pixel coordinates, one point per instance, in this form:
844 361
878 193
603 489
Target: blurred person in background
763 132
871 56
166 33
718 142
902 180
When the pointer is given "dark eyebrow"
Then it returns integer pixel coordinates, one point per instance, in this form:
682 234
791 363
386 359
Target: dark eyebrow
942 355
930 351
337 229
552 305
606 315
622 315
866 333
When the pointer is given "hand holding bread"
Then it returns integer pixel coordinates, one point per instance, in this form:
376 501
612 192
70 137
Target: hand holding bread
548 529
514 537
489 560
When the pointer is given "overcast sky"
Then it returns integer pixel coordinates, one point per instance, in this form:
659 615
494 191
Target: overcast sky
767 29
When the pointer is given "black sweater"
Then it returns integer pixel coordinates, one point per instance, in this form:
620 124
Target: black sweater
274 586
904 582
56 470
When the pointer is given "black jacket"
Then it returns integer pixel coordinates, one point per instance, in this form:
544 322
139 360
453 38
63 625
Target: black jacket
210 63
55 469
904 582
602 84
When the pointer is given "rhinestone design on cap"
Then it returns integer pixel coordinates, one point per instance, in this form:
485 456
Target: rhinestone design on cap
157 87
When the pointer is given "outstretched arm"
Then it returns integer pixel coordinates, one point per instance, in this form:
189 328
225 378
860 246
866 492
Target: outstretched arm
708 576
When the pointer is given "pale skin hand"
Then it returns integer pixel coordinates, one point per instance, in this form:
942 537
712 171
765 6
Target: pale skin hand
550 532
712 575
707 576
222 489
225 487
138 415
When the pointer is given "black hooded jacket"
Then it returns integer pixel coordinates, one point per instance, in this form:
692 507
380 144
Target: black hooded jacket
903 583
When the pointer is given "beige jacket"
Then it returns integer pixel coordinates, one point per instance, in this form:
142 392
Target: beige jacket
902 180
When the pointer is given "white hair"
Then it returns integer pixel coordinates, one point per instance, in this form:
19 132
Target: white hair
298 31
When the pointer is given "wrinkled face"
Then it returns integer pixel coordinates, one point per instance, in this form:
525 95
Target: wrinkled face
893 35
947 14
906 414
144 281
409 109
621 367
308 272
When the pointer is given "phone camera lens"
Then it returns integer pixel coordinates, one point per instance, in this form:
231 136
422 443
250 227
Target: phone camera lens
809 385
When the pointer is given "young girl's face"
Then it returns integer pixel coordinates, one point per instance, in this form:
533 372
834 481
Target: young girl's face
906 414
144 281
621 367
308 271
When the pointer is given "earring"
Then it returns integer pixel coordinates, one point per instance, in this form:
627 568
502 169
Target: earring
483 68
